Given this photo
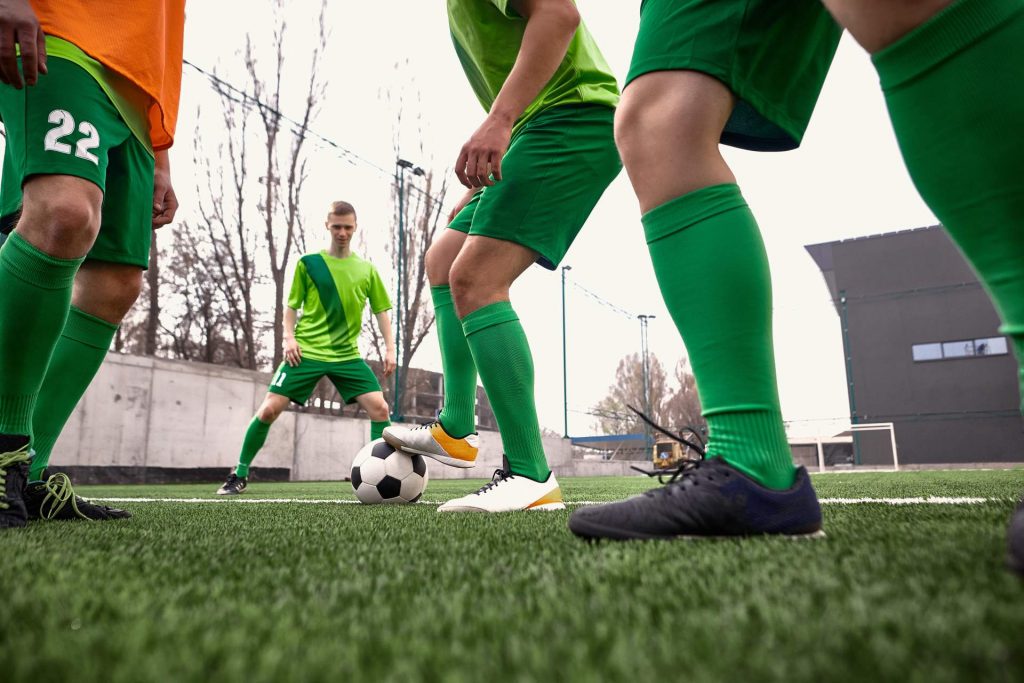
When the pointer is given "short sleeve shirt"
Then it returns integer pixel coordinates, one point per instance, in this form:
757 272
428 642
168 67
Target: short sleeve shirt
332 294
487 36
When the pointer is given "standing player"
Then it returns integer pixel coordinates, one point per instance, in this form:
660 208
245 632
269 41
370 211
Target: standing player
535 169
89 113
747 73
331 288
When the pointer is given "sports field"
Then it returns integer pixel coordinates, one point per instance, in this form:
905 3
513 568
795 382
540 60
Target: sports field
312 587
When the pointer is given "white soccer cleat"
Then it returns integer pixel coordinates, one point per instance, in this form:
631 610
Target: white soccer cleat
434 442
508 492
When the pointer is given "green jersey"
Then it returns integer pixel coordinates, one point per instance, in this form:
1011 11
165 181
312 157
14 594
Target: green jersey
487 36
331 293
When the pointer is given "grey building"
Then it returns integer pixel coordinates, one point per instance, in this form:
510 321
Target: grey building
923 349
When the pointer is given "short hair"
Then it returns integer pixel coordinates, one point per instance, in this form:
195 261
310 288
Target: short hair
342 209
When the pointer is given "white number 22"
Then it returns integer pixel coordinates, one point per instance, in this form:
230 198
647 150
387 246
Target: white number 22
64 126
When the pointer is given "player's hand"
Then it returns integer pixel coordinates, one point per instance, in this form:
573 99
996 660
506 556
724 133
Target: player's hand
292 352
165 202
19 26
466 199
390 363
480 158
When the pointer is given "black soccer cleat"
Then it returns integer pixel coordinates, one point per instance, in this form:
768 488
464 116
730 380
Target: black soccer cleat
1015 541
706 499
55 499
233 486
13 474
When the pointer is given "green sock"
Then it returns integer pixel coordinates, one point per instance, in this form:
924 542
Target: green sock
503 358
76 358
458 414
956 102
713 272
255 437
35 294
377 428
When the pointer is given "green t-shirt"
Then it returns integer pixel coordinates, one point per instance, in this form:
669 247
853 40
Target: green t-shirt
331 293
487 36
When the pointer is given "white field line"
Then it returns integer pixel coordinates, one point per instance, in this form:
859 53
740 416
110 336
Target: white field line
927 500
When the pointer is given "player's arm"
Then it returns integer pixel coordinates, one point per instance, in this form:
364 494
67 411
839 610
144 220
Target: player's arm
20 26
165 202
292 352
384 325
550 26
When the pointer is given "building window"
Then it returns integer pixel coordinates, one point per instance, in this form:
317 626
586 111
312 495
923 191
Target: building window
962 348
927 352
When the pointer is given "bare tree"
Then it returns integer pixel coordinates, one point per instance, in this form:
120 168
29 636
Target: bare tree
282 189
674 410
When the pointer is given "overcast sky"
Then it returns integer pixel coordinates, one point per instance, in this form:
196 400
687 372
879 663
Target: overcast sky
846 181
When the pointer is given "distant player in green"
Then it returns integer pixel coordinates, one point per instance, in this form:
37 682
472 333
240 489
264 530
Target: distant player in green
331 289
535 169
747 73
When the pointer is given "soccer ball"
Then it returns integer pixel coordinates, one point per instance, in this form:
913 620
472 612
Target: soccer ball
380 474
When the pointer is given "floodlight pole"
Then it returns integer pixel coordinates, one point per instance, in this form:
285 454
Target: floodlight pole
646 369
401 166
565 365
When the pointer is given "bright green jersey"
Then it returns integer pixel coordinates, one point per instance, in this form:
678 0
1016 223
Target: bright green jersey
487 36
331 293
131 102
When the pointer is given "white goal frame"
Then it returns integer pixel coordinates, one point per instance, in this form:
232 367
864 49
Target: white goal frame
820 441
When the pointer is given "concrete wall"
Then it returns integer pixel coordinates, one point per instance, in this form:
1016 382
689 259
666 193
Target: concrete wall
149 419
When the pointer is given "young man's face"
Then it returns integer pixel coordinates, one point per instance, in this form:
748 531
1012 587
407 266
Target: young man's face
342 228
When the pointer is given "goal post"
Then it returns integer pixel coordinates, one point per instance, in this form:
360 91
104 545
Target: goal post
845 447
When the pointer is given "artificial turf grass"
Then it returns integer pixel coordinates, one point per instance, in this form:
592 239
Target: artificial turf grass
326 592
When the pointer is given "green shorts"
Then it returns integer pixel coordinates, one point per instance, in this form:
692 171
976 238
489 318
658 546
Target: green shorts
554 172
773 54
66 125
351 378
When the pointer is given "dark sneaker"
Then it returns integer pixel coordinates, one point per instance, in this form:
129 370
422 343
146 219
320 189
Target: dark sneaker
1015 541
233 486
55 498
13 474
706 499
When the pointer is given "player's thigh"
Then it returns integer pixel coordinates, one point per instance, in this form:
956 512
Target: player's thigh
772 55
555 171
63 126
875 24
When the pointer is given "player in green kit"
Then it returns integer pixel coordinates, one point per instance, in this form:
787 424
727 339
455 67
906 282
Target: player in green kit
535 169
331 289
748 73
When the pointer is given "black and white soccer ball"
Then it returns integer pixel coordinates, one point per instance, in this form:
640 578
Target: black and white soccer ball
381 474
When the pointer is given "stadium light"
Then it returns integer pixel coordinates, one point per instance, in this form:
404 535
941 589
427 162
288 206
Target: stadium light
401 166
565 366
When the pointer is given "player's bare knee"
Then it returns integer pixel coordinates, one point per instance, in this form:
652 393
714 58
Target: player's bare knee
61 219
471 288
438 265
877 24
269 412
125 284
378 410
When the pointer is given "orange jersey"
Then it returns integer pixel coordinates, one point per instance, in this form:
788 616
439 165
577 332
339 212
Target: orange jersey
139 39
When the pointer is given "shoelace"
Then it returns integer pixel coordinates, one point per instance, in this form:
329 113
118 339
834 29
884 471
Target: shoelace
59 492
497 478
6 460
686 467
